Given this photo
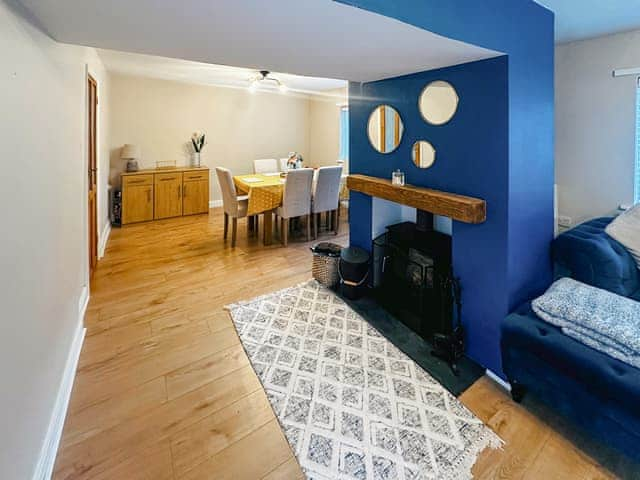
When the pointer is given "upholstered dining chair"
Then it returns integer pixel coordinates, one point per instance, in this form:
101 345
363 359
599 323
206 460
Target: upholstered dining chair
296 200
234 206
283 164
326 196
265 165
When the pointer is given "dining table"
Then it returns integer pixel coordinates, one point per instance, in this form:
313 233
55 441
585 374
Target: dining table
265 196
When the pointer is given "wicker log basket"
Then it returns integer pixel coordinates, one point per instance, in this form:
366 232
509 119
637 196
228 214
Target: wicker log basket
326 260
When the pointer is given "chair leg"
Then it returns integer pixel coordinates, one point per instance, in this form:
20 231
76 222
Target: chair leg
315 226
226 225
285 231
234 231
308 227
334 216
256 225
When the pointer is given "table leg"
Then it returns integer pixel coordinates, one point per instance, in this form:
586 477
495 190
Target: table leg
267 226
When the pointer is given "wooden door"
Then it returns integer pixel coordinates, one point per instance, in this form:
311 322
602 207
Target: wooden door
137 198
92 108
195 193
168 195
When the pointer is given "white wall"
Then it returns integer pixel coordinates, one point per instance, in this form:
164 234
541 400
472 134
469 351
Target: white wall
385 213
595 125
324 128
43 240
161 115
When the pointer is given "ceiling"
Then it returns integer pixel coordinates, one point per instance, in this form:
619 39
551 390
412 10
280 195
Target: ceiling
209 74
316 38
581 19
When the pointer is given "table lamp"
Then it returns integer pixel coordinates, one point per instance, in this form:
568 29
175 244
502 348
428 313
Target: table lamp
131 153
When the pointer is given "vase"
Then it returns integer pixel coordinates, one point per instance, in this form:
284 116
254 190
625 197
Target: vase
195 159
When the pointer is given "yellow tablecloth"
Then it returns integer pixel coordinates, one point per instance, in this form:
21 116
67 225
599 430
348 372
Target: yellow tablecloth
264 195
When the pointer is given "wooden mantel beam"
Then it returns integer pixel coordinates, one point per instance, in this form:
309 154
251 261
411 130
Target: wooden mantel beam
458 207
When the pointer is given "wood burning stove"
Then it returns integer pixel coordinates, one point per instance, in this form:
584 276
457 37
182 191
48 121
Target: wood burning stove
413 278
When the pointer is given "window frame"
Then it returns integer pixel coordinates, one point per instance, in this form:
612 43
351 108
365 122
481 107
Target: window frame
343 147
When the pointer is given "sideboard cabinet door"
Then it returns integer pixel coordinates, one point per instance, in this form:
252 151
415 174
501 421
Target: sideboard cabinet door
168 195
137 198
195 193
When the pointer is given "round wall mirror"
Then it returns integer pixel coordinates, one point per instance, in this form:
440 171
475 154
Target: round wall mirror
438 102
423 154
385 129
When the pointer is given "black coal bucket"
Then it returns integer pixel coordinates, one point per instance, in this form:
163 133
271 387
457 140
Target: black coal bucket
354 271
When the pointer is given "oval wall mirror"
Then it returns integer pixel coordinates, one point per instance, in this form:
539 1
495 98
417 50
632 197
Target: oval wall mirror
423 154
438 102
385 129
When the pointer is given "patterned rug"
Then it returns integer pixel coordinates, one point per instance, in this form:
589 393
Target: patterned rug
352 405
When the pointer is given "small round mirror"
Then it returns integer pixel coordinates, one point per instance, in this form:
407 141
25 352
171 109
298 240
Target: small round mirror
423 154
385 129
438 102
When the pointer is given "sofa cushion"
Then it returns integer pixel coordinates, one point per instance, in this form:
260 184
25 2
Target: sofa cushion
587 254
626 229
603 376
598 393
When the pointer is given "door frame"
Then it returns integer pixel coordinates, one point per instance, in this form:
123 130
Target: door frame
92 172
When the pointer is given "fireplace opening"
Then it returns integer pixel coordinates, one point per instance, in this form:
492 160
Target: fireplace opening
414 280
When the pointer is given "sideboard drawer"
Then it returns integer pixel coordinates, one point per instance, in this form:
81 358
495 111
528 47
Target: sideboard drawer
137 180
193 176
172 177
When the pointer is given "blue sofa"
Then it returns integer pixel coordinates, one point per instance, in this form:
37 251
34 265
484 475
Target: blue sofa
599 393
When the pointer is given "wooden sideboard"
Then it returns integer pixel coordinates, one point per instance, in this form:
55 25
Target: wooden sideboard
164 193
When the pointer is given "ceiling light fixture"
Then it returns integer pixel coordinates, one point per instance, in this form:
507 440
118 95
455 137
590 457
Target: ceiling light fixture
263 78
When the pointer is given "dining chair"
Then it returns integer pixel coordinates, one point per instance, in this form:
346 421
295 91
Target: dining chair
234 206
265 165
296 200
283 164
326 196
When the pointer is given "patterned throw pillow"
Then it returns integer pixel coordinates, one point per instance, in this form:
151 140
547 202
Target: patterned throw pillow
626 230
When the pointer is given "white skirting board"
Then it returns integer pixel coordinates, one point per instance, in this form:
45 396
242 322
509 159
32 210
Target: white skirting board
504 384
44 468
215 203
104 237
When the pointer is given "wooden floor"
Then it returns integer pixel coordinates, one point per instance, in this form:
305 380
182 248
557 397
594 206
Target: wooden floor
165 391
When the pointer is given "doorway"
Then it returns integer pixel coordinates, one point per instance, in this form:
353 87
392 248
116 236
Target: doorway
92 107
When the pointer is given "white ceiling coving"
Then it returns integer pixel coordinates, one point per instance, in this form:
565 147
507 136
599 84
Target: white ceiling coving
316 38
581 19
209 74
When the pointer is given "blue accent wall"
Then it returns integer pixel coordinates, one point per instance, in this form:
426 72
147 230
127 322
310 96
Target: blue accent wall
499 147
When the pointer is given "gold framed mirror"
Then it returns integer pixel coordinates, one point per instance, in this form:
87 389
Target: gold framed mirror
385 129
423 154
438 102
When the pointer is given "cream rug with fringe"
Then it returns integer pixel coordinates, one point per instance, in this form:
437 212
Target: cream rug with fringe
351 404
